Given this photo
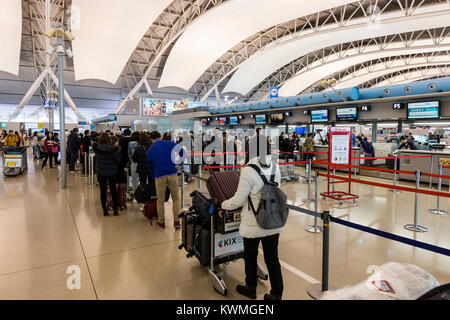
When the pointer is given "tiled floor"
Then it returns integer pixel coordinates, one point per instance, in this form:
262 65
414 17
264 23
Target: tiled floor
44 230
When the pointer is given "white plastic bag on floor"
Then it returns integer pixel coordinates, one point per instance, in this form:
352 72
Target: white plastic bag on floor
391 281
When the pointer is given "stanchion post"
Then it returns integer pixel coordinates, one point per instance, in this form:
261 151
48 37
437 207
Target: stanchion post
415 227
395 175
315 228
356 164
431 171
309 200
91 168
182 187
325 250
200 176
317 289
86 169
438 205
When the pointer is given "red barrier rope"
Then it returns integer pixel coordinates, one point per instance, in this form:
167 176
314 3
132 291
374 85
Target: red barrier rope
241 166
302 152
372 158
367 168
387 186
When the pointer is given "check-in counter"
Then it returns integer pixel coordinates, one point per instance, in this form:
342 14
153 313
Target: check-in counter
423 164
324 156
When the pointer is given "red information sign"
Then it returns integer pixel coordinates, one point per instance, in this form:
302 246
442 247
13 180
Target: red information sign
339 153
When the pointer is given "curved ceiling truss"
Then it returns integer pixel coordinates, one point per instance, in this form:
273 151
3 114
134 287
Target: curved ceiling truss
408 75
367 50
354 75
337 19
159 37
397 81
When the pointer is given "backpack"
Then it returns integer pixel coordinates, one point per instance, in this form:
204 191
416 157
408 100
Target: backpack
272 211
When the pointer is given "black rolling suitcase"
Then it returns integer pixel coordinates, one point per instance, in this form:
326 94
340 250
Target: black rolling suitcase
201 204
195 238
202 245
188 223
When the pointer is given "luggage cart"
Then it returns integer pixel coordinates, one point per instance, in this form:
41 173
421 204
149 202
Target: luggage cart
288 171
223 247
218 257
14 161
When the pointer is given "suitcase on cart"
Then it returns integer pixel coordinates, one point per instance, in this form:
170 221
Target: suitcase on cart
195 237
121 190
222 185
201 205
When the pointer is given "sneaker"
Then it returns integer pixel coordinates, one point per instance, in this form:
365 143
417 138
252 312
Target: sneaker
142 208
105 212
177 224
161 225
134 201
116 211
247 291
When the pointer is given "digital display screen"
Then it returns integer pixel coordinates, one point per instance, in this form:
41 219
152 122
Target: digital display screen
164 107
157 107
365 108
260 119
319 115
40 132
234 120
276 118
347 114
423 110
204 122
222 121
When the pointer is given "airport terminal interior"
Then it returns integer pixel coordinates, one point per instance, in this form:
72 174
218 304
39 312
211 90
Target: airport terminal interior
133 154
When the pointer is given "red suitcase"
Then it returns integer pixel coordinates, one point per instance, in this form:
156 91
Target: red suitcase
151 210
121 190
222 185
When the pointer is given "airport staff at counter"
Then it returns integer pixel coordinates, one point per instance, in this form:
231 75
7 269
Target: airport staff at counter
407 144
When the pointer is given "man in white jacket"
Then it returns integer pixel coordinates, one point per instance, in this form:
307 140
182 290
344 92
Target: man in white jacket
250 184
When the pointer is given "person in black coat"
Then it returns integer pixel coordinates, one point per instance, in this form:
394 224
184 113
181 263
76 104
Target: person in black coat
73 146
140 157
107 157
125 160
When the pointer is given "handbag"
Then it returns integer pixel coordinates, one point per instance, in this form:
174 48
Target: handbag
54 149
145 192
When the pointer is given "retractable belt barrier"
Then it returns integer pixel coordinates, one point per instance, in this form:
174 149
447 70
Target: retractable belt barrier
391 236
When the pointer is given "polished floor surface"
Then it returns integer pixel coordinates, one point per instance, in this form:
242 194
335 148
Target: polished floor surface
44 230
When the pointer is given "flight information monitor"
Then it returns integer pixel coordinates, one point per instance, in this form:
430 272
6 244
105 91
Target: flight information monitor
423 110
234 120
347 114
260 119
319 115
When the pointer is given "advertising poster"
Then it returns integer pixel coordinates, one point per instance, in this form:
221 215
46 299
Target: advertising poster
157 107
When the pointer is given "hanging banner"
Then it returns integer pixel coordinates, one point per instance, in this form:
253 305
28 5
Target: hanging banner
40 125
